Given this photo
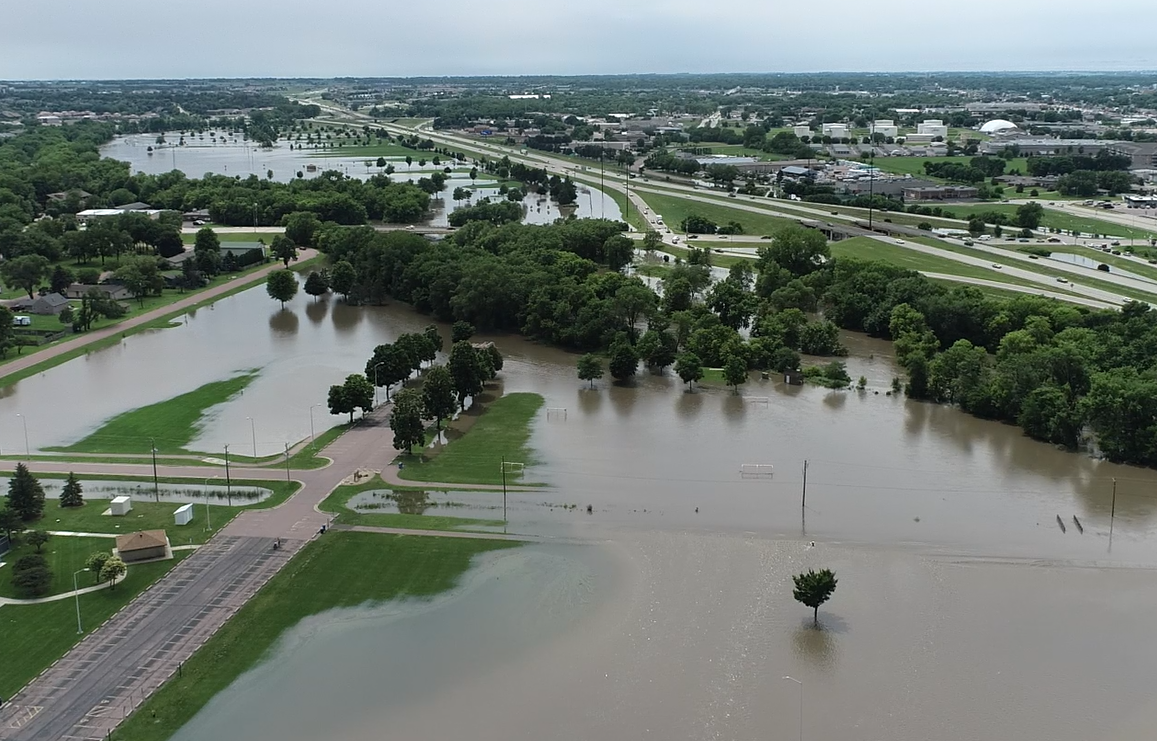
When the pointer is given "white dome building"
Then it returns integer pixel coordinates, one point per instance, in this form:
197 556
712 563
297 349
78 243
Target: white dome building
997 126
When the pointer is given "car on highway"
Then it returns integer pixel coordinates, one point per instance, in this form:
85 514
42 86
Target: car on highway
1103 268
692 236
1054 240
900 241
1062 280
997 265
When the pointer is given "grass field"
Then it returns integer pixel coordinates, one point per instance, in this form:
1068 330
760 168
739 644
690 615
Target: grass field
338 570
266 237
170 424
66 555
37 635
337 503
378 150
500 431
1060 219
675 209
738 150
915 165
867 248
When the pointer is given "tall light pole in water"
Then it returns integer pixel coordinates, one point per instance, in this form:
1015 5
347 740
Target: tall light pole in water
1112 513
253 434
793 679
24 420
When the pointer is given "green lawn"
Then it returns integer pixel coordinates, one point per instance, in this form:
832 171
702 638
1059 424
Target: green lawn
66 555
255 237
867 248
915 165
341 569
37 635
500 431
674 209
337 503
738 150
170 424
1059 219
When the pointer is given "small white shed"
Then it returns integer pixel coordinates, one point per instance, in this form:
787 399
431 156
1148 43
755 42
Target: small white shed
184 514
121 506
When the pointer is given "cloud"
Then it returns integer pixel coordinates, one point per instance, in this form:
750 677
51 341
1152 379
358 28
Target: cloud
294 38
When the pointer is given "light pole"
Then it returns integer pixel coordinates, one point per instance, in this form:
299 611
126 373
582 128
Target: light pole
376 366
228 481
76 593
253 433
156 485
24 420
208 518
287 462
312 438
1112 513
800 705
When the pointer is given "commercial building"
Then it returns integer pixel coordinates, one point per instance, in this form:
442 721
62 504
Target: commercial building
940 193
146 545
886 127
932 128
1142 154
835 130
99 213
801 131
1046 147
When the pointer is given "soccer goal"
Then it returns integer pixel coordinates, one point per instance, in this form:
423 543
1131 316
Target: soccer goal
755 470
556 412
760 401
512 467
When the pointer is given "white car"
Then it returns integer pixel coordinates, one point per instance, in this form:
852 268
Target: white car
900 241
997 265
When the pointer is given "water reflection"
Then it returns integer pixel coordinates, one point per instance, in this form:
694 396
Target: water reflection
283 322
316 311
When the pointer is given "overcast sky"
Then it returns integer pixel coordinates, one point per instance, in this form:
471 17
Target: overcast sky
295 38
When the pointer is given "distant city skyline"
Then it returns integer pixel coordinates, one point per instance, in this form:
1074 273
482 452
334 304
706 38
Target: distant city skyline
213 38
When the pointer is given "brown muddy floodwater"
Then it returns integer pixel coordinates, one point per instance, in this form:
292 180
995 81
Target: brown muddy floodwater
963 611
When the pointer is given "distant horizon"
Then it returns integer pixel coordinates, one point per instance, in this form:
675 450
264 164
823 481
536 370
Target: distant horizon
566 75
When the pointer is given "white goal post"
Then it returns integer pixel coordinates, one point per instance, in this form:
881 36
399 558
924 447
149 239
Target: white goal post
757 400
556 412
756 469
512 467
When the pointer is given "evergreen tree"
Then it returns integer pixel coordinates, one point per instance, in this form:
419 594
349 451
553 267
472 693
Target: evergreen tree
25 495
73 494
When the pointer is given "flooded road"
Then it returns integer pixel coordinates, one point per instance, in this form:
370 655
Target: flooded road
963 611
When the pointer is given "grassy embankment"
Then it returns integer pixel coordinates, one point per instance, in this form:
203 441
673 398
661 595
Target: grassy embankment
1059 219
479 442
915 165
337 503
171 424
674 209
243 281
338 570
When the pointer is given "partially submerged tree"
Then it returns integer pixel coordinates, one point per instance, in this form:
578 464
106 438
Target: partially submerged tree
590 367
73 493
813 588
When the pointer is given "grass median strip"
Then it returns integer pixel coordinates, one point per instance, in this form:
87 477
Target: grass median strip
480 441
170 425
341 569
338 503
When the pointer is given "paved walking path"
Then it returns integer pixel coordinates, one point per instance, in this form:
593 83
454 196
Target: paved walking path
27 361
58 597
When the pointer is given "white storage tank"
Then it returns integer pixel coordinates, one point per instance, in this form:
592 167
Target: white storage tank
184 514
121 506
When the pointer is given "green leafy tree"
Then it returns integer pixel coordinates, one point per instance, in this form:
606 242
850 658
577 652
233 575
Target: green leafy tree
590 368
438 401
10 522
461 331
390 364
25 272
316 284
359 393
302 227
114 568
206 241
37 539
7 333
60 279
652 240
73 493
1028 215
434 338
31 576
798 250
689 368
95 562
339 402
813 588
624 360
281 286
25 495
342 278
735 372
141 276
465 371
284 249
406 420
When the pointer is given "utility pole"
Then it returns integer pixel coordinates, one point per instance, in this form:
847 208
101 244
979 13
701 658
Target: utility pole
228 481
156 484
803 495
287 462
504 494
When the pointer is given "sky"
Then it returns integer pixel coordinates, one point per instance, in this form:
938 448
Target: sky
117 39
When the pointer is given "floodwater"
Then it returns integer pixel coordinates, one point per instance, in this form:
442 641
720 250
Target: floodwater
239 158
963 610
144 492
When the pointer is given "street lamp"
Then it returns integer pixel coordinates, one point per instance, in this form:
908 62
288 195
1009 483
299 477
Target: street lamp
312 438
376 366
24 420
208 518
76 593
793 679
253 432
156 485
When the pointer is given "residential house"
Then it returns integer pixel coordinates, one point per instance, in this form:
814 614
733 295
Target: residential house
115 291
49 303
